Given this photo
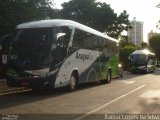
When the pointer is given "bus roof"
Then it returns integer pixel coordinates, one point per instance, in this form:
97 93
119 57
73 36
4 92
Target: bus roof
145 51
62 22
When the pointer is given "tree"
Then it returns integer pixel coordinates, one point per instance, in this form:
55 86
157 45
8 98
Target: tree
99 16
124 54
120 24
154 43
13 12
124 41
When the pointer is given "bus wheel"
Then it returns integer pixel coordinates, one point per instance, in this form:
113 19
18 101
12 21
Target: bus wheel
73 82
109 77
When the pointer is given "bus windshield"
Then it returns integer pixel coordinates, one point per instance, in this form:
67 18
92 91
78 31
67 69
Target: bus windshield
31 47
35 48
139 59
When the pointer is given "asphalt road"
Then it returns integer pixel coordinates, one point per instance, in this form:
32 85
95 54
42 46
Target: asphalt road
135 96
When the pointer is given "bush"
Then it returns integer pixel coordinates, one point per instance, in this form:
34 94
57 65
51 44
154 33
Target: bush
124 56
154 43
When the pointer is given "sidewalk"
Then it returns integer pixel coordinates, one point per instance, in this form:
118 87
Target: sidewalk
3 85
4 88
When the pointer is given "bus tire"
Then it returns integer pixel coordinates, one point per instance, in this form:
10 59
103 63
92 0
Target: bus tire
73 82
109 77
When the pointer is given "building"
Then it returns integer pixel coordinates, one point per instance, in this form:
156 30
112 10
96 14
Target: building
136 33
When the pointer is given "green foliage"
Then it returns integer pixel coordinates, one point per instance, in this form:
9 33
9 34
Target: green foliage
124 41
97 15
13 12
124 54
154 43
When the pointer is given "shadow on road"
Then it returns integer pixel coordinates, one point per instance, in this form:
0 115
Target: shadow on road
151 105
16 99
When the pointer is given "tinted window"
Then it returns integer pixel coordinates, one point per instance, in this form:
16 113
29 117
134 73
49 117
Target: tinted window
84 40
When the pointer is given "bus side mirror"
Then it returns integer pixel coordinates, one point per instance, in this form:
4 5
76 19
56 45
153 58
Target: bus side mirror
56 42
58 35
129 57
0 47
146 57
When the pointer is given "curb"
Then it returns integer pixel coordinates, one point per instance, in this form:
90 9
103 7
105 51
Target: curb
5 89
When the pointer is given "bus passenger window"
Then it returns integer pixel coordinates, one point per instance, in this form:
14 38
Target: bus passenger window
79 39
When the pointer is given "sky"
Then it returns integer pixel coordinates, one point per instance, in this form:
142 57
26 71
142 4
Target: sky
143 10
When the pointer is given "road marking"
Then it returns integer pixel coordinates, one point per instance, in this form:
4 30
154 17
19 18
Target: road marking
128 82
151 94
12 92
108 103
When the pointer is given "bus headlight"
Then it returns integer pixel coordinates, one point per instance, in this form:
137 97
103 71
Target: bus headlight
43 75
119 65
34 76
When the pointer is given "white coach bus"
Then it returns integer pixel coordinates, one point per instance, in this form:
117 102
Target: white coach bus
57 53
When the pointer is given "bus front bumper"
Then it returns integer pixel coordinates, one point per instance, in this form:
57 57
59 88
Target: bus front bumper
38 82
139 69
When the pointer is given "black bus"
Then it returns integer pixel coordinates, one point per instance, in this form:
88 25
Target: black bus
142 61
